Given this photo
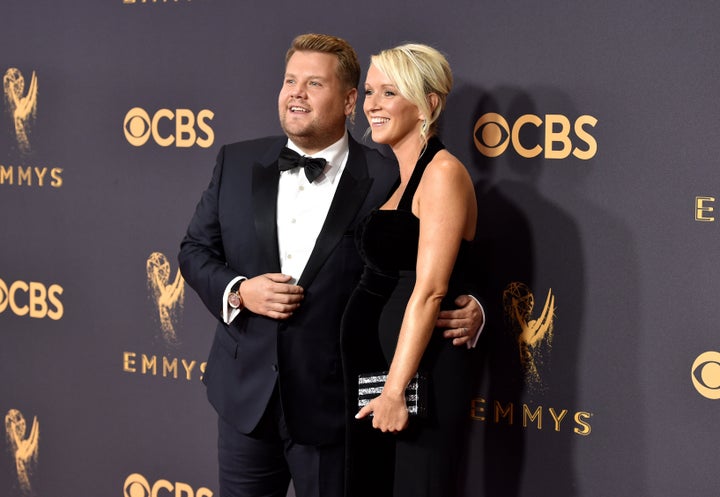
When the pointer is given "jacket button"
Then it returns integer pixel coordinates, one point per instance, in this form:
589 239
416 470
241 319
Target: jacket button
275 367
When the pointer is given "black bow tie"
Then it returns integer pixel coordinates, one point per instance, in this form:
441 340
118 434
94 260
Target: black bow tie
313 166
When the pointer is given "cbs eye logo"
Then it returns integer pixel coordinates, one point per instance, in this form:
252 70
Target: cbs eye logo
33 299
705 374
136 485
493 135
139 126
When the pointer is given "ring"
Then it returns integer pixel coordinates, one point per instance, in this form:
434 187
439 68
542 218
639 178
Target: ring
464 331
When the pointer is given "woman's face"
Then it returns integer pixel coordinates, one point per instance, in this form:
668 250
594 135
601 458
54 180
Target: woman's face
391 116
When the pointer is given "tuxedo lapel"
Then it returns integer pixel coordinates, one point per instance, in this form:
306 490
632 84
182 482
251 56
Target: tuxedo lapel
349 197
265 178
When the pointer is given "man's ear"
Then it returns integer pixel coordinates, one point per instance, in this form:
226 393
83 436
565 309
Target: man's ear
351 101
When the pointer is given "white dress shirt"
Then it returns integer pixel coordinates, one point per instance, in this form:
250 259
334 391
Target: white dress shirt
303 206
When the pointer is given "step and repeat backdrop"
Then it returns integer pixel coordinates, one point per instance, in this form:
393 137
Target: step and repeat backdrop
590 129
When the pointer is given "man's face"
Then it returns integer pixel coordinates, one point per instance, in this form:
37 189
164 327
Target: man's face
313 102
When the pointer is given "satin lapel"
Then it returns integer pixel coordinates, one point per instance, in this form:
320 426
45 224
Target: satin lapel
265 189
349 197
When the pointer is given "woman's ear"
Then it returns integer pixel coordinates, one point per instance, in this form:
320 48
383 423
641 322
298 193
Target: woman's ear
434 101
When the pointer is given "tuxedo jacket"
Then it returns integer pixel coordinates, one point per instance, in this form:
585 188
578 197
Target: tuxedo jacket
233 232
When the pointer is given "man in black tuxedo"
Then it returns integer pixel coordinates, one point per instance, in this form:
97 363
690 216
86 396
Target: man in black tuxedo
271 253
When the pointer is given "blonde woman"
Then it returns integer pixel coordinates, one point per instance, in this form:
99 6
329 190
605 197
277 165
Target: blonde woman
415 248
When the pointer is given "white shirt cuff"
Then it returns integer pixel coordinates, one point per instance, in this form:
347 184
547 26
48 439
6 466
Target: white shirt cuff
228 313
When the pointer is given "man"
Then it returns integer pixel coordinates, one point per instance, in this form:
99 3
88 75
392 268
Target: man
272 256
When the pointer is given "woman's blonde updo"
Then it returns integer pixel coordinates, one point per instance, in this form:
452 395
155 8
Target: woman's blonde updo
417 71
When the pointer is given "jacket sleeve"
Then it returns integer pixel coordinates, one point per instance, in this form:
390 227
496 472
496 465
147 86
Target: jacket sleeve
202 257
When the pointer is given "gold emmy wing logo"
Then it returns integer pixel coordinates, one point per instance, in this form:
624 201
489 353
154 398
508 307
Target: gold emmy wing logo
24 449
168 296
705 374
22 107
519 303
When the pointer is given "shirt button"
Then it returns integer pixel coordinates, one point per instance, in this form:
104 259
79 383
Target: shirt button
293 221
302 188
289 256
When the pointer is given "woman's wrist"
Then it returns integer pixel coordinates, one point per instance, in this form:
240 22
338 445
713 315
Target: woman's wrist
394 391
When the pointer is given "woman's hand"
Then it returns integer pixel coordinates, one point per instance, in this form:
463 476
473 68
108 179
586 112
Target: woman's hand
390 413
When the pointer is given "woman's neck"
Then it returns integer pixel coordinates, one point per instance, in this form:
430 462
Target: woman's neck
407 152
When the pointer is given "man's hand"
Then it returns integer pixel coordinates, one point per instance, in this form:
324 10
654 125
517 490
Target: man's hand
463 323
271 295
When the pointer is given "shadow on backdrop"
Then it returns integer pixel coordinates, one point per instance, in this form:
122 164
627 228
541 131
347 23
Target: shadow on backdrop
528 244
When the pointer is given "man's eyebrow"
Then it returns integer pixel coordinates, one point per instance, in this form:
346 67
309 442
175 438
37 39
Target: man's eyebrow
312 76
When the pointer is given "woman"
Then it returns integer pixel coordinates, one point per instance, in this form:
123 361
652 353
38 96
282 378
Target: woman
415 248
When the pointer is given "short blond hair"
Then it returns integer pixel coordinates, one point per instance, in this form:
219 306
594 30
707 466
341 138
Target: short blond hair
418 70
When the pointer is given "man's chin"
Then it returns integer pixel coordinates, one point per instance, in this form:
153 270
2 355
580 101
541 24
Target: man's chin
312 137
295 130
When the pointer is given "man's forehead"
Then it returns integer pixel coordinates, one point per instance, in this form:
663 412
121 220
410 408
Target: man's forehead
312 58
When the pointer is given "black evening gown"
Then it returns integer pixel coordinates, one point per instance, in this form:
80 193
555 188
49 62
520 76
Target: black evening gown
423 460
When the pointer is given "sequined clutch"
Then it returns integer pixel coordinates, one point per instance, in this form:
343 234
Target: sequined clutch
370 385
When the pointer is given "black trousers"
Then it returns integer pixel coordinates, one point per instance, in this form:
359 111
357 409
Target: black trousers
262 463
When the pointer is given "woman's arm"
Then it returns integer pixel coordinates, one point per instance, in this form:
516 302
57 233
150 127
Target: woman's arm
445 204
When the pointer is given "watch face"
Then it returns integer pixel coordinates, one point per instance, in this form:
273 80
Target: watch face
234 300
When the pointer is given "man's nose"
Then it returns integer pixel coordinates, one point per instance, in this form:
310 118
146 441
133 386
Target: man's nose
299 91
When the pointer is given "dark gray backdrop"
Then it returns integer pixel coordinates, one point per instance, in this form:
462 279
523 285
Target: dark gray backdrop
612 408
